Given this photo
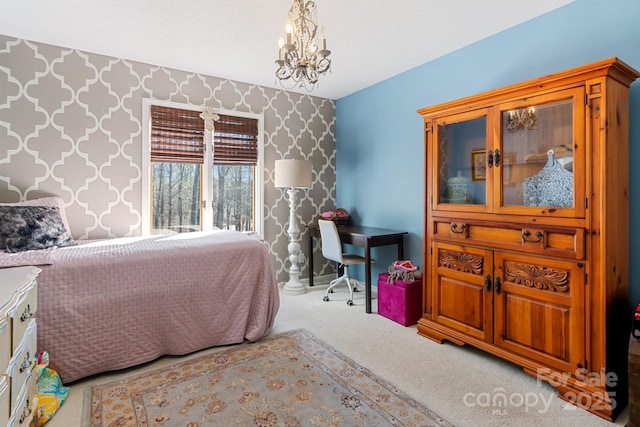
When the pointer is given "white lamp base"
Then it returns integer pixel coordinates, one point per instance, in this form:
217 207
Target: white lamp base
294 287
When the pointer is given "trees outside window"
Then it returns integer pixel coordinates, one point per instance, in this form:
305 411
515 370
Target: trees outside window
176 197
233 201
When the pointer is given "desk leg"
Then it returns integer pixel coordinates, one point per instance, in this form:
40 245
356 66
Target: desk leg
400 248
367 277
310 241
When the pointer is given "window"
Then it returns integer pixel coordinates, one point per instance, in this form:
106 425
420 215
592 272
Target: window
235 156
198 180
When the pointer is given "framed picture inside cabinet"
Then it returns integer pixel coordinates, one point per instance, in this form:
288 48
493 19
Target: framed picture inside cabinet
479 165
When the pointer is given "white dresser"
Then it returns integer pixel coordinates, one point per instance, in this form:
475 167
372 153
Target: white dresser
18 345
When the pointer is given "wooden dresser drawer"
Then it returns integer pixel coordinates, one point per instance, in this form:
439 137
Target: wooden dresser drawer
23 413
24 311
564 242
18 345
5 407
5 346
22 362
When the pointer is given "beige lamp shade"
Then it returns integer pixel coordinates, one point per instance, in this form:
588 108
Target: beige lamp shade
293 173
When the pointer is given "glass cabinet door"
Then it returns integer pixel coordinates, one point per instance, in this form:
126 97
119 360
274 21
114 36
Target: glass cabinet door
538 157
523 157
460 144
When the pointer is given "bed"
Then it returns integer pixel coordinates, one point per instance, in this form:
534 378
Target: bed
115 303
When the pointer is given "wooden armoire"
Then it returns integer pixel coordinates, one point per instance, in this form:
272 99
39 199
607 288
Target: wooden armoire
526 249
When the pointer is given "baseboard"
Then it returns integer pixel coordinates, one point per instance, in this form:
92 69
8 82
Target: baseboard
324 280
318 281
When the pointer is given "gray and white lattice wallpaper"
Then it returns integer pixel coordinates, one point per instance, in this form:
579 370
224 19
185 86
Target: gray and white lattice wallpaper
71 126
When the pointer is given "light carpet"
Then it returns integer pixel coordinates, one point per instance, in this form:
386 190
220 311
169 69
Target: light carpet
437 375
290 379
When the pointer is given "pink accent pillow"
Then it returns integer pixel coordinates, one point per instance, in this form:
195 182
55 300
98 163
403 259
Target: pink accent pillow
56 202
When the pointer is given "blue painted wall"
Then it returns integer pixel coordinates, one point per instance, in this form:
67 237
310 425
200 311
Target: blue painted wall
380 143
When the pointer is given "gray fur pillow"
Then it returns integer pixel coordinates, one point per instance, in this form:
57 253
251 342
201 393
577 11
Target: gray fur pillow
26 228
53 201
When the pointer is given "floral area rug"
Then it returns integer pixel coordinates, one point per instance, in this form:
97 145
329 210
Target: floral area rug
290 379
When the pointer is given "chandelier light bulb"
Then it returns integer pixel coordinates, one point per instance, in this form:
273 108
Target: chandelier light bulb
280 52
323 37
289 29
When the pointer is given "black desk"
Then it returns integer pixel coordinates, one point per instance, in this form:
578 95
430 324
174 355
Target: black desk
366 237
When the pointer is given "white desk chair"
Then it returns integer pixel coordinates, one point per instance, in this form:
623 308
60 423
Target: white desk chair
332 249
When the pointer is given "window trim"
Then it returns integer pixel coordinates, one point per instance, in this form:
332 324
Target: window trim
207 188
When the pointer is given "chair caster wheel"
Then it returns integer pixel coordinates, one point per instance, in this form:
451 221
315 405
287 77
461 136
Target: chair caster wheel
356 290
330 291
325 298
349 302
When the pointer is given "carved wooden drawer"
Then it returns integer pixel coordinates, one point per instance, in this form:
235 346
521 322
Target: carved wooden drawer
563 242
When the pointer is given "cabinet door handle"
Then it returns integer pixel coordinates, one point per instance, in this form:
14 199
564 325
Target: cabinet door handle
487 283
455 229
496 158
490 159
527 233
498 285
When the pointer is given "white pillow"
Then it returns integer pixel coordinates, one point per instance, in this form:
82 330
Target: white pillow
56 202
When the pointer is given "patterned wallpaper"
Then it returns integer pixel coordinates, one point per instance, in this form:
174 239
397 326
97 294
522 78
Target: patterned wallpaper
70 125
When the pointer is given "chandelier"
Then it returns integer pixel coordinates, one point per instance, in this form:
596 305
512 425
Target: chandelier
303 55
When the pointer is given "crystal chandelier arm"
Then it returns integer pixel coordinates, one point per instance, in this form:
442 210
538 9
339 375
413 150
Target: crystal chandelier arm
323 65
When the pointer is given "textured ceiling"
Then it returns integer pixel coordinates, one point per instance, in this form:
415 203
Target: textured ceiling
370 40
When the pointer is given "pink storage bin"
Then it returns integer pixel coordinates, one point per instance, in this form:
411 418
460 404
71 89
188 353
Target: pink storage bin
400 301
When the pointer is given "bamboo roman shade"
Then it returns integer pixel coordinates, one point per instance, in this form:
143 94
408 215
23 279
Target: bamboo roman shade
235 141
177 136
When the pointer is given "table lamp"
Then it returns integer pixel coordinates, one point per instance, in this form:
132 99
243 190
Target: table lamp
293 174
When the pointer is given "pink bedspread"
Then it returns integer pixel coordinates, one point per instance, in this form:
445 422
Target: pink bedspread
117 303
